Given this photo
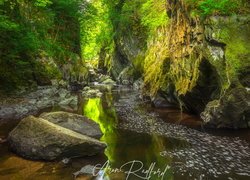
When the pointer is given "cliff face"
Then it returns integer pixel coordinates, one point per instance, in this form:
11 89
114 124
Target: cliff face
227 43
220 47
126 59
207 62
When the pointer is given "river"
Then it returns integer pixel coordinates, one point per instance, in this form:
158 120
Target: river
144 142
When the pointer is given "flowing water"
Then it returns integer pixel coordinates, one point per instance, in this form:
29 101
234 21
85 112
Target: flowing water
142 143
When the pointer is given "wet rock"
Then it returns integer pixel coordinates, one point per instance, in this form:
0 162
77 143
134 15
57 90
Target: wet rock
88 169
138 84
63 93
6 112
74 122
161 102
39 139
126 76
69 101
91 93
42 98
66 161
196 153
103 78
93 75
231 111
75 86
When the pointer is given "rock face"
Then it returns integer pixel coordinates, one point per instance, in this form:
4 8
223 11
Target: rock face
220 44
208 56
227 50
231 111
39 139
128 55
74 122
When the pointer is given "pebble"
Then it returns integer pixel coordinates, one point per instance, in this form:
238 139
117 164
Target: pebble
212 155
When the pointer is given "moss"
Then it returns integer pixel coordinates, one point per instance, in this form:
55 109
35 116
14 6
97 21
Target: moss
185 73
233 33
155 75
138 64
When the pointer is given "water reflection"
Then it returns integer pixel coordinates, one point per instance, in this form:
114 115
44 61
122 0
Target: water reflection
201 154
125 146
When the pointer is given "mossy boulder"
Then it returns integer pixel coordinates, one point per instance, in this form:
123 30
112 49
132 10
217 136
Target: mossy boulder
38 139
231 111
228 47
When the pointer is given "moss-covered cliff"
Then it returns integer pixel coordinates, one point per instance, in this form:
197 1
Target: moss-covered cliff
196 53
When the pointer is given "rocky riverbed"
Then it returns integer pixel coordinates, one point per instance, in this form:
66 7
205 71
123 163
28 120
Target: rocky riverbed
205 155
133 130
32 103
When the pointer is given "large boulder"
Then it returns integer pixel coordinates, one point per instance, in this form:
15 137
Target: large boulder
38 139
74 122
231 111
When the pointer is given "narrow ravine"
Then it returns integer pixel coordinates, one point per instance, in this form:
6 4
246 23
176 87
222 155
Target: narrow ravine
125 89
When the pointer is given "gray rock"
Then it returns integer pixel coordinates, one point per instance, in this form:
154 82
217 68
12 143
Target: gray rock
231 111
69 101
74 122
88 169
138 84
66 161
42 98
91 93
39 139
7 112
63 93
126 76
161 102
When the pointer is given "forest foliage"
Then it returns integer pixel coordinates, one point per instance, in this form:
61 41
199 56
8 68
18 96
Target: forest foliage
38 37
218 7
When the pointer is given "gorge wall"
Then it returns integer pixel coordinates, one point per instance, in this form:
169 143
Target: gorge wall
199 61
